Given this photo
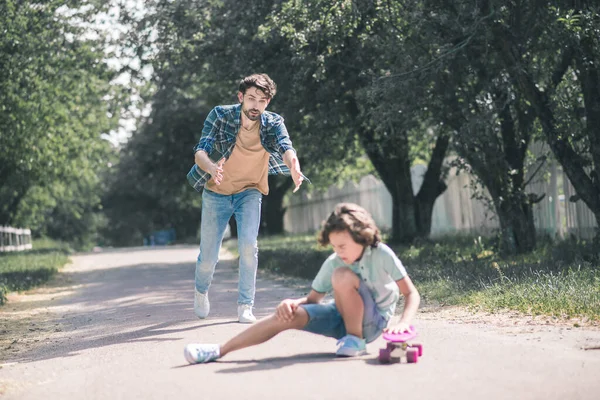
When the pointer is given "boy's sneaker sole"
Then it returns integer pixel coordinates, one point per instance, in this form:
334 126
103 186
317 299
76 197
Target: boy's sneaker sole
350 353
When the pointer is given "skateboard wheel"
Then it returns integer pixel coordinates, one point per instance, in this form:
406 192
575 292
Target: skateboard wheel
384 356
412 356
419 347
390 346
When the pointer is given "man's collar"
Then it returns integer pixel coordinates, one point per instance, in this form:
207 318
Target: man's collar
237 116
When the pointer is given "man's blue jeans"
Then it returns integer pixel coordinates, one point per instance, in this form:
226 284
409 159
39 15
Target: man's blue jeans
217 209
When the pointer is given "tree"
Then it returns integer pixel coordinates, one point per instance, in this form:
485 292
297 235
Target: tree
148 190
492 126
54 86
457 77
575 27
339 48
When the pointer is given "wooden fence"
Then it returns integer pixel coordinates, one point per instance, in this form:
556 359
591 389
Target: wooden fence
455 211
14 239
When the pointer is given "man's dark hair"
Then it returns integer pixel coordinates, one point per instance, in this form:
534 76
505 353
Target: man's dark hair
355 220
260 81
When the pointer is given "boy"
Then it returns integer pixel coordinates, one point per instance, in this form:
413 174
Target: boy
366 279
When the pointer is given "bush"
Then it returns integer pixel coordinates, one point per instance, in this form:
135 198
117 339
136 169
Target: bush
303 263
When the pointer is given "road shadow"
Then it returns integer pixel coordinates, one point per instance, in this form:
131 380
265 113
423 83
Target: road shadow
282 362
136 303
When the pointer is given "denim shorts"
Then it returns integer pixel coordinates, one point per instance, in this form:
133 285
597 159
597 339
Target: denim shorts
325 319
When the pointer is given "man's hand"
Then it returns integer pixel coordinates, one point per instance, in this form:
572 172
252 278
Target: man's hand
291 160
400 328
296 174
286 309
216 171
205 163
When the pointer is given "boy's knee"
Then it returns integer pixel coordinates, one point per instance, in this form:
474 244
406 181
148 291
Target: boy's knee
344 277
299 321
300 318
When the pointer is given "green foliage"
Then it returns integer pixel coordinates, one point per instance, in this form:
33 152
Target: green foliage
341 51
560 86
148 190
200 51
56 101
380 85
25 270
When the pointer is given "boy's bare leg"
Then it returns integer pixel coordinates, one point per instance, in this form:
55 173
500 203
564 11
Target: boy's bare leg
348 301
264 330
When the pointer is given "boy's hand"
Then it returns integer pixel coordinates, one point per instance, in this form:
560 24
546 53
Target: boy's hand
400 328
286 309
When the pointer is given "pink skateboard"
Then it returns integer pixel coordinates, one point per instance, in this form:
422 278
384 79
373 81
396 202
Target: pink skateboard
400 345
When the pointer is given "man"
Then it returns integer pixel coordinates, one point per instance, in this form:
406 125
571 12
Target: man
240 146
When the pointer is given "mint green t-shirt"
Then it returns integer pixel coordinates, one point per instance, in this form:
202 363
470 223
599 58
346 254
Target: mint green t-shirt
379 268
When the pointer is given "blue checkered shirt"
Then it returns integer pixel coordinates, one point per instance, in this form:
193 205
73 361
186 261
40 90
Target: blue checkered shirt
218 140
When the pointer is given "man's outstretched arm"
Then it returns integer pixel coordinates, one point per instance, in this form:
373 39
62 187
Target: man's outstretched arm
291 160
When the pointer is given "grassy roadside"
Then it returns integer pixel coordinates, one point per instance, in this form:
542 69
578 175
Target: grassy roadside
560 279
27 269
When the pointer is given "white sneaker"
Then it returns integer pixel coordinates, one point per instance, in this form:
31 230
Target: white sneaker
201 353
245 315
201 304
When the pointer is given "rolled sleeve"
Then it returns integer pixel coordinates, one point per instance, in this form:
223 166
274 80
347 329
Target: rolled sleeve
281 141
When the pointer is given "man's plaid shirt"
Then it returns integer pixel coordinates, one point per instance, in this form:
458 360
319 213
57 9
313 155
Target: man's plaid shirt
219 134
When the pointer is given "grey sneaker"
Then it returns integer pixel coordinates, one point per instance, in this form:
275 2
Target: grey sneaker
196 353
245 315
351 346
201 304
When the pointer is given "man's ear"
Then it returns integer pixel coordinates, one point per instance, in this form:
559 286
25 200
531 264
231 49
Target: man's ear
240 97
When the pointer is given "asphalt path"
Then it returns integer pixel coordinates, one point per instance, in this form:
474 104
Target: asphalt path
121 329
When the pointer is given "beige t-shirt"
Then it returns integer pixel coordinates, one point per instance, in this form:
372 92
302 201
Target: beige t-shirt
247 167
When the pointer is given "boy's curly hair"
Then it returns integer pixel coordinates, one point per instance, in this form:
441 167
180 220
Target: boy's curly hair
354 219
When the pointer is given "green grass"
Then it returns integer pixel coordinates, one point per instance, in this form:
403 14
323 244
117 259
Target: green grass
568 293
558 278
27 269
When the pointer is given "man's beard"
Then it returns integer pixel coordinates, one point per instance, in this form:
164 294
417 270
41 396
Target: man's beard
251 117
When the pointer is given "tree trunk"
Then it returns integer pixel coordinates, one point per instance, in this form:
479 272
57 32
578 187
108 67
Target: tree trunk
404 213
433 186
391 160
516 225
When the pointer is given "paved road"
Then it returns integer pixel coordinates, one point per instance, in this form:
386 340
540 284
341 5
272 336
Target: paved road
122 331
